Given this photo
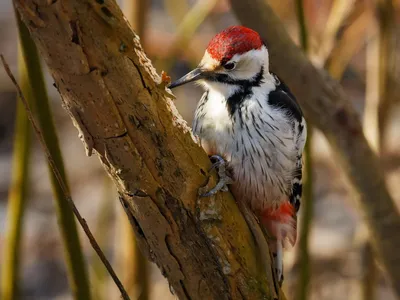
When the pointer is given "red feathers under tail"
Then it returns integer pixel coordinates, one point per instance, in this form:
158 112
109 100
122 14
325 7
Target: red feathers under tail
281 223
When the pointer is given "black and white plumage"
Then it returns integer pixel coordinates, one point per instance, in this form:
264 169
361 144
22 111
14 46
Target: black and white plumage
248 116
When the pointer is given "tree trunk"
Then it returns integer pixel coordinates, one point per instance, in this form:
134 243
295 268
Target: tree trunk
124 114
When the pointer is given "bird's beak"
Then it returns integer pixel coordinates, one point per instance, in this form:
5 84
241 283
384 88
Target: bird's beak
194 75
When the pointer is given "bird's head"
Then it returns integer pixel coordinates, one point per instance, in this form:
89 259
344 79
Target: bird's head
234 56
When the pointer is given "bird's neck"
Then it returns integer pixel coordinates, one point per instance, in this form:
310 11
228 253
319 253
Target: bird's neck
234 95
241 87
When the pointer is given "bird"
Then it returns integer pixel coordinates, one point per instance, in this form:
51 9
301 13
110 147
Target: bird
253 129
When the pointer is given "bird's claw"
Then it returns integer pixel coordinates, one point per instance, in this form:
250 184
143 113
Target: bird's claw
224 179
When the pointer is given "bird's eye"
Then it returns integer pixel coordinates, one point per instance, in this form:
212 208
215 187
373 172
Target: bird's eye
230 66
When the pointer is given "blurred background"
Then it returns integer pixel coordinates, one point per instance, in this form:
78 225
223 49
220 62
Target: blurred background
357 41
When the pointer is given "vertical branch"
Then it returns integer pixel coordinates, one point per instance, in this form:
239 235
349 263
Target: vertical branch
352 40
306 221
136 11
368 274
17 194
187 27
380 59
339 11
368 267
177 9
370 121
387 58
76 265
302 25
380 67
307 201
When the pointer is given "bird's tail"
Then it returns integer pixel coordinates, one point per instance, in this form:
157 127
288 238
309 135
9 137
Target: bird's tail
281 224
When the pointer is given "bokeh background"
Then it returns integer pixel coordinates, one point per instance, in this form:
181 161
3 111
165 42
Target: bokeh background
344 37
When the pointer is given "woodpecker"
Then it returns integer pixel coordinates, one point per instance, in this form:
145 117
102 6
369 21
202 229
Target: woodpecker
250 123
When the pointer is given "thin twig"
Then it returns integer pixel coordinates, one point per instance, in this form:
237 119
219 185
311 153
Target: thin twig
67 195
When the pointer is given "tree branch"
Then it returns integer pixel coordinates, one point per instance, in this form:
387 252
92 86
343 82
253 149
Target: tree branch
124 113
326 105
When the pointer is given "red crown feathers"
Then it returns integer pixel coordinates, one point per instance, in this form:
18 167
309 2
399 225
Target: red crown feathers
233 40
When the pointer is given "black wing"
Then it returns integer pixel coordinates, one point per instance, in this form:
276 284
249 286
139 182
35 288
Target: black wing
283 98
297 185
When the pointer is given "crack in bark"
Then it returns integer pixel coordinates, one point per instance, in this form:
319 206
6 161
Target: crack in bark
124 134
75 36
138 193
140 75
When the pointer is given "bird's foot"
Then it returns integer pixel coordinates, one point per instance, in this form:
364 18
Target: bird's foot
224 179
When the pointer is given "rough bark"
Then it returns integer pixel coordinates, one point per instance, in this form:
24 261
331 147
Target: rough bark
325 103
125 115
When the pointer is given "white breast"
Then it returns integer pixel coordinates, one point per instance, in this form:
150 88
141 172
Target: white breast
212 123
258 141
